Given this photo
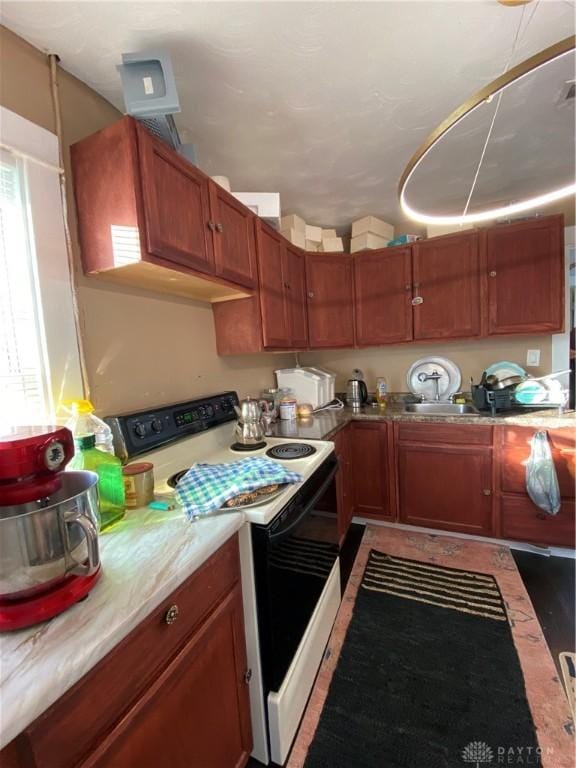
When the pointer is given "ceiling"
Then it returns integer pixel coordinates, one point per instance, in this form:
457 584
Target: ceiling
324 102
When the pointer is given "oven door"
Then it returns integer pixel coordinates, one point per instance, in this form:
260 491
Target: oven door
293 559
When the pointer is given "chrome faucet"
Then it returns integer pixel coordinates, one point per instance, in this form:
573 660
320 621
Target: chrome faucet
435 377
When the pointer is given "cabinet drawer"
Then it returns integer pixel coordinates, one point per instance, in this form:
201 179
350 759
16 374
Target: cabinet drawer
67 730
456 434
515 442
523 521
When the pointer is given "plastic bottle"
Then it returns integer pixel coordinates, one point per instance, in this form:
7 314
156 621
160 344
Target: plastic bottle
83 421
110 481
381 391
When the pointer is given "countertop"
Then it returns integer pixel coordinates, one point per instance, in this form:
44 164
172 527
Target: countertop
144 559
323 425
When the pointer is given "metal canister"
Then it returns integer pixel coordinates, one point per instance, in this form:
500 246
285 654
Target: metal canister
138 484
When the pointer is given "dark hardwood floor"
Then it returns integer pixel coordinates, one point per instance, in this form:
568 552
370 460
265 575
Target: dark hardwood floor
550 582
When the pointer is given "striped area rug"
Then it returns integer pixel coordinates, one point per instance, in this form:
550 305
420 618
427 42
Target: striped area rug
464 591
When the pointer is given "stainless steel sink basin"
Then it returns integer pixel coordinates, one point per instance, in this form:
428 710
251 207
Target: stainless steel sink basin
441 409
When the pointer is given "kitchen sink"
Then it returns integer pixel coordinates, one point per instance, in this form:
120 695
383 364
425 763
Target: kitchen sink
441 409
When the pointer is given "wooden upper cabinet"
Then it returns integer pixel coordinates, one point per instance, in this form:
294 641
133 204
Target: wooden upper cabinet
446 276
525 269
234 241
273 307
176 205
383 298
329 280
294 275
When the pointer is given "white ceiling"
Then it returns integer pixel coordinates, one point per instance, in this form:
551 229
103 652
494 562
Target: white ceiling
324 102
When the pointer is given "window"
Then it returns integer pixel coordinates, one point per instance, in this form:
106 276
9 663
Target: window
39 358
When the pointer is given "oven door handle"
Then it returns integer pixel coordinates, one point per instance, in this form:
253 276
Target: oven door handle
320 492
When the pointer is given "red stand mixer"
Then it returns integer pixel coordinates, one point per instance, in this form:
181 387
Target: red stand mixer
49 521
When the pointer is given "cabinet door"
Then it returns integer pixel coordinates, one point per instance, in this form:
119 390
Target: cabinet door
329 279
273 307
370 471
383 293
294 272
343 481
521 520
234 241
176 205
525 265
197 712
445 486
446 274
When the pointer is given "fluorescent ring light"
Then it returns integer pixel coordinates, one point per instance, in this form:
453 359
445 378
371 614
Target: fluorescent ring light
515 74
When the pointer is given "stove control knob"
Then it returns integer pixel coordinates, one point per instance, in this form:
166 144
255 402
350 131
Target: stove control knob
156 425
140 429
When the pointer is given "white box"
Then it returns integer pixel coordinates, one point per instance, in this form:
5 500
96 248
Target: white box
435 230
310 385
311 245
295 237
293 222
327 234
332 244
374 226
313 233
367 241
263 204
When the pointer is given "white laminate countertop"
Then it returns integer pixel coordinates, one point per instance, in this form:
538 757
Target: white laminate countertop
144 559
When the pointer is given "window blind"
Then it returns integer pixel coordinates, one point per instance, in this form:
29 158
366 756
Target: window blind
24 373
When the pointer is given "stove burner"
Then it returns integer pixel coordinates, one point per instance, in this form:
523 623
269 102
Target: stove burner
289 451
244 448
175 479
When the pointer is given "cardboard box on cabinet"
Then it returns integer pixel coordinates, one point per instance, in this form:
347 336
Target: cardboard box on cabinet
293 222
374 226
328 234
367 241
311 245
332 244
295 237
313 233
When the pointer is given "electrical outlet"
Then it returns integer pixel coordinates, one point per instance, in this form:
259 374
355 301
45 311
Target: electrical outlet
533 358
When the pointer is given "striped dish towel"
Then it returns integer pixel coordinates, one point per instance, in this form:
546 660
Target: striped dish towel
206 487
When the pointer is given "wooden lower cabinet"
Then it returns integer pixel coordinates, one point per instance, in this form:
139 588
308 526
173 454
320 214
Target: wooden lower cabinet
371 469
446 485
521 520
170 695
344 487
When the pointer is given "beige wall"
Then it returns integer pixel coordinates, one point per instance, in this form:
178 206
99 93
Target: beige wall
393 362
142 349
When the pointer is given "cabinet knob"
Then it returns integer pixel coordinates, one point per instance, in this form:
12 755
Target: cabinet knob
171 614
287 286
487 491
219 227
211 226
492 273
417 300
310 294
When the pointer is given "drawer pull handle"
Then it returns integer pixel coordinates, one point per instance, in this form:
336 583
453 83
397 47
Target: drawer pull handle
171 614
219 227
487 492
211 226
417 300
310 294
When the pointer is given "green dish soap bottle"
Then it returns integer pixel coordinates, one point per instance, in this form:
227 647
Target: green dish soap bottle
110 481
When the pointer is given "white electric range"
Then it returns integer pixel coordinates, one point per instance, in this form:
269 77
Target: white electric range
288 548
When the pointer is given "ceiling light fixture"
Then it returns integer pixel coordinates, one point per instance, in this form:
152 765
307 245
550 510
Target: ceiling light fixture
485 95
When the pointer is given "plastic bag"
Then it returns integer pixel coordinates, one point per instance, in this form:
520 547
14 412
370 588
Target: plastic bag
541 478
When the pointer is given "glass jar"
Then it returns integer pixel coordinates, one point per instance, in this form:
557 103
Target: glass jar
138 484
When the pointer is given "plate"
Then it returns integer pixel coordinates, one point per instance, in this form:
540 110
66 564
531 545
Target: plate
504 369
263 498
448 384
530 393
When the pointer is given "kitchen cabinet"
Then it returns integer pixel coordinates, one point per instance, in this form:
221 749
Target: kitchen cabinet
145 219
232 225
329 280
273 304
172 693
294 274
344 480
383 296
525 275
371 469
444 476
446 286
519 518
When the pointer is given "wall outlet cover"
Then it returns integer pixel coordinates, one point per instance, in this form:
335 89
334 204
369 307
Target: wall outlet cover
533 358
